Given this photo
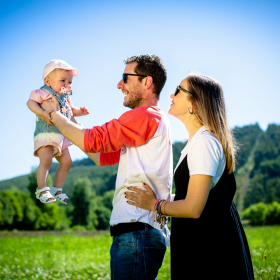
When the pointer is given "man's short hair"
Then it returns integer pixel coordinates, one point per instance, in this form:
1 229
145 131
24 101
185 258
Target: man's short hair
150 65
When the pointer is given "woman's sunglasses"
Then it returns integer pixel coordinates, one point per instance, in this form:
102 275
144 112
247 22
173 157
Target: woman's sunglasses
178 88
124 76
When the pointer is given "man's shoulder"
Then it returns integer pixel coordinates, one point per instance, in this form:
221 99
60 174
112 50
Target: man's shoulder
142 116
147 111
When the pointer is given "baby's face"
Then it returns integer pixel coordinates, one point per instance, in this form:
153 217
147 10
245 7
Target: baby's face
59 78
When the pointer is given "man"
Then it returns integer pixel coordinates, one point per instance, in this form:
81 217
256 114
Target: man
140 142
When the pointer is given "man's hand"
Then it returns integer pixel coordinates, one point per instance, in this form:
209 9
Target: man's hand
46 117
37 109
50 105
73 132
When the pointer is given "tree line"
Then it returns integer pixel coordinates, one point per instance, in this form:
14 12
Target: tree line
91 188
87 210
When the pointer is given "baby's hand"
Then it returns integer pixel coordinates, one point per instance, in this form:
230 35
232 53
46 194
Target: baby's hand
46 117
84 111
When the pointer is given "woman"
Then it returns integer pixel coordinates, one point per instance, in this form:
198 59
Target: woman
207 237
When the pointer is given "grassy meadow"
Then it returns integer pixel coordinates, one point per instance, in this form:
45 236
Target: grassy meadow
86 255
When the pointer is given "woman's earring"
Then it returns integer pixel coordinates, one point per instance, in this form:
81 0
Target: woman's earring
190 111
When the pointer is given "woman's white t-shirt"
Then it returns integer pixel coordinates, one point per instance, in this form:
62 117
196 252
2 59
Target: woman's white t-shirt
205 155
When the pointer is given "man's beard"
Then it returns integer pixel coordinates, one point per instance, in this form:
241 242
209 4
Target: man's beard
135 100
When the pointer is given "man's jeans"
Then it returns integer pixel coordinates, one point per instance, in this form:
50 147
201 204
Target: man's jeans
137 255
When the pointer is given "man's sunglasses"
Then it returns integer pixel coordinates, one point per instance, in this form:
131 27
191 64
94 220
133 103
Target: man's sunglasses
124 76
178 88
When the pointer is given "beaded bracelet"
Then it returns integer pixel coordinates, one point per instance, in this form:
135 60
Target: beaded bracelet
156 204
159 206
163 212
159 216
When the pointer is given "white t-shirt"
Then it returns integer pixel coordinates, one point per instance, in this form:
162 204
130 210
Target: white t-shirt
140 141
205 155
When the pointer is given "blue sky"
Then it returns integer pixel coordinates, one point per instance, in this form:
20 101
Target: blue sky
236 42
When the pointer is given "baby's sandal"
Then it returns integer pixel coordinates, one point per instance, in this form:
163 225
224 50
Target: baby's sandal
60 197
44 198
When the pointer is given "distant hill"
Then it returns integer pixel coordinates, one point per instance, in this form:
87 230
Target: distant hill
257 173
247 138
264 183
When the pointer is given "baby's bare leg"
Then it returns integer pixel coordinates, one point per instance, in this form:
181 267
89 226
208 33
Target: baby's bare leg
65 162
45 155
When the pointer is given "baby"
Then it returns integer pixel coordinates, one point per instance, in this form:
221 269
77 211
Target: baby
48 141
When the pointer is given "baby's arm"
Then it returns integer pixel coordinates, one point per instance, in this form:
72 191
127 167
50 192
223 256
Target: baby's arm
82 111
74 120
36 108
77 112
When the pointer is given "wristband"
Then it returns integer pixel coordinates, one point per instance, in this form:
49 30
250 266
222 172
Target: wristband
156 204
163 212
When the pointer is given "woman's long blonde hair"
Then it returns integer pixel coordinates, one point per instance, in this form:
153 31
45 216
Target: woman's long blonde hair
208 96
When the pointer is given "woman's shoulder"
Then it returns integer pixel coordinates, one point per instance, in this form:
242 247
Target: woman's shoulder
206 154
208 136
207 140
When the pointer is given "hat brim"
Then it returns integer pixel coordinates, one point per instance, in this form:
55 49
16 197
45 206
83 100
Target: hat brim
74 71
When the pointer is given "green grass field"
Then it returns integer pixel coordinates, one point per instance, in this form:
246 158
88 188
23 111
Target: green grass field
78 256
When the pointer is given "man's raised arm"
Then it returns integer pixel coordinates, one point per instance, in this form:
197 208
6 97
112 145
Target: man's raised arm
73 132
94 157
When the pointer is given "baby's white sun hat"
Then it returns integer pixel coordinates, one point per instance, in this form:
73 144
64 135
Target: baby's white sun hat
61 64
